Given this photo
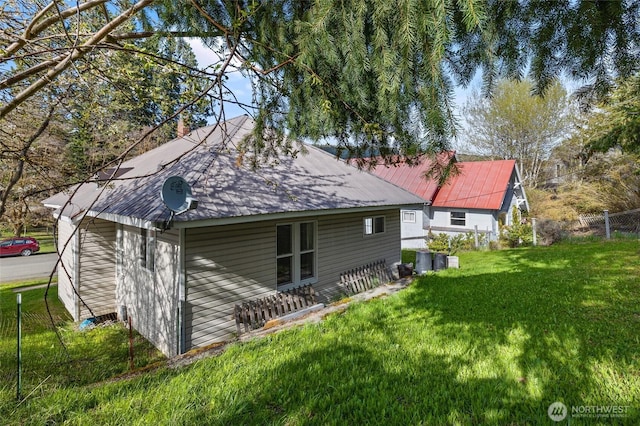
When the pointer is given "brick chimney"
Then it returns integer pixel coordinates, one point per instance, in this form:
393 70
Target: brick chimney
182 129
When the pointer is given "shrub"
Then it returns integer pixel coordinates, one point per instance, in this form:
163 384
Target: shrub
443 243
550 231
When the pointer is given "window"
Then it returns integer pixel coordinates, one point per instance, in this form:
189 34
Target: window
458 218
295 253
373 225
147 249
408 216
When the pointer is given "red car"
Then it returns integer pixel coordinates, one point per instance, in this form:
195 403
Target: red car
23 246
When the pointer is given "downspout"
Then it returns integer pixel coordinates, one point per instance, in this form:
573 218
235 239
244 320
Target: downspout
181 296
75 271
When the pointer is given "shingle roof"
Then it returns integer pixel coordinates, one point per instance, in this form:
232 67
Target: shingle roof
206 159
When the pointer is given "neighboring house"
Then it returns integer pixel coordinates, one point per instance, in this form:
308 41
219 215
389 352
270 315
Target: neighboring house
479 198
254 232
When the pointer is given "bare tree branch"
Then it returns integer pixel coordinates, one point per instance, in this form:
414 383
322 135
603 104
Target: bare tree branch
34 29
22 158
72 56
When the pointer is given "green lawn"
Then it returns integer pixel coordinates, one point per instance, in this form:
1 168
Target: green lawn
47 366
495 342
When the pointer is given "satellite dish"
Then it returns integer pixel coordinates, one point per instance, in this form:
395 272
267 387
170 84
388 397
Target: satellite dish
176 194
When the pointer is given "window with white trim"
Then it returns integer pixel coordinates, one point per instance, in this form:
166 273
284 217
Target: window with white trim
408 216
295 254
373 225
458 218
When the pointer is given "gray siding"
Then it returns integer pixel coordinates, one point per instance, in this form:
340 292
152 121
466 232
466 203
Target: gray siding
233 263
225 265
66 267
97 267
150 294
342 245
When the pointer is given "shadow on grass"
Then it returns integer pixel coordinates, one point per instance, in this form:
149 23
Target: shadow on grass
501 348
492 344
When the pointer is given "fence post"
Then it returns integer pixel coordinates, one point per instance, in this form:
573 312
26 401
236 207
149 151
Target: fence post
475 236
19 346
606 224
533 228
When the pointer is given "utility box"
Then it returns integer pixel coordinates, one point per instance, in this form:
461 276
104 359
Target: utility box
423 261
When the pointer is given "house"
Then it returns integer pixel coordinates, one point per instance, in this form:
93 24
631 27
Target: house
478 199
254 232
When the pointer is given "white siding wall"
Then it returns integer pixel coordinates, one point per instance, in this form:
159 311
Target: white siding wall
484 219
97 267
150 295
229 264
413 233
66 267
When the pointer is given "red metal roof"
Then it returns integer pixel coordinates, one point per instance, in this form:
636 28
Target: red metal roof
480 185
412 177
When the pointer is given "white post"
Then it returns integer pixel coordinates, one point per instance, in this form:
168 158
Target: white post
475 235
606 224
533 227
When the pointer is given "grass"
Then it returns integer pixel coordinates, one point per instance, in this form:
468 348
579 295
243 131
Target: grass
494 342
46 240
47 367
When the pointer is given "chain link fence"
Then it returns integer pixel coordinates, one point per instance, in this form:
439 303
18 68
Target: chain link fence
606 223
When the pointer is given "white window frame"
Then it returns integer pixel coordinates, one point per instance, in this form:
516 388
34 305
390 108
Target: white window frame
463 219
411 216
296 255
370 225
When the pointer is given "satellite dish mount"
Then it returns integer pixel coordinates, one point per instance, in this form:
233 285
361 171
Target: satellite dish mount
176 195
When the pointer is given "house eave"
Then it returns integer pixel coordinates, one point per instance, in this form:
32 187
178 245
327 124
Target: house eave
276 216
178 224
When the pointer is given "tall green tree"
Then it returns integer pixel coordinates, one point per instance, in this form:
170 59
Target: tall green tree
111 96
516 124
375 75
616 124
144 85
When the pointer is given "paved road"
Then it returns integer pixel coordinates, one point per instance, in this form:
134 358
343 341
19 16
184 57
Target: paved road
26 267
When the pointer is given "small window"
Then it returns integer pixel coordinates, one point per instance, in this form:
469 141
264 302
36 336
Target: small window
408 216
458 218
147 249
373 225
